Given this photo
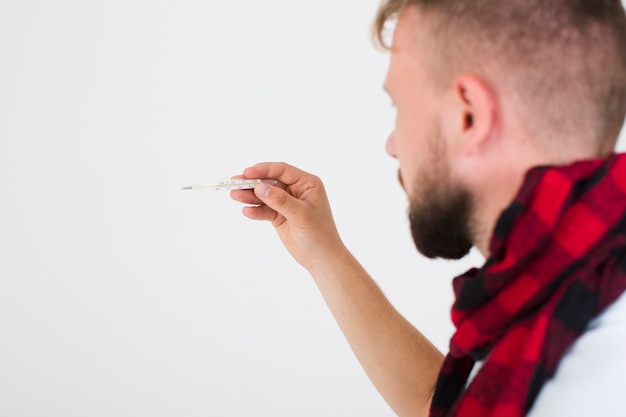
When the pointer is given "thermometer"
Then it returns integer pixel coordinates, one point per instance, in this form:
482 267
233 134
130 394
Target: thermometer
228 185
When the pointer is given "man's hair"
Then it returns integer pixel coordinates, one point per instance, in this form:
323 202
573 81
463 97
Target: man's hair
563 62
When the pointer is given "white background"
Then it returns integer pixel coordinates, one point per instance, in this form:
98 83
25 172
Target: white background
121 295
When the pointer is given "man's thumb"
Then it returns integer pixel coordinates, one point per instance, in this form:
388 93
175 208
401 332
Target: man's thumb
276 198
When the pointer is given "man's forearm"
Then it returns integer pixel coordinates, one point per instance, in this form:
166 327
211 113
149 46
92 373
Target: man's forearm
400 361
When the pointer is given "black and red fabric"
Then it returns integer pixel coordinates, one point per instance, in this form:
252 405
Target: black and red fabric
558 259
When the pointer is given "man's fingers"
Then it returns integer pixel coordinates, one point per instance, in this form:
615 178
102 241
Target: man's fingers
280 171
245 197
260 213
288 195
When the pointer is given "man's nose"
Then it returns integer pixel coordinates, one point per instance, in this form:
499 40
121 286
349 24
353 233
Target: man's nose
390 146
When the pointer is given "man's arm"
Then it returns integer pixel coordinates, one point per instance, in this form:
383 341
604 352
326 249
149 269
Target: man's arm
400 361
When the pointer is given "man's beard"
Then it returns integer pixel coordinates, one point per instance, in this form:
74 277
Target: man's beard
440 211
440 224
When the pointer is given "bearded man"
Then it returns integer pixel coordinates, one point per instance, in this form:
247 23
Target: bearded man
508 113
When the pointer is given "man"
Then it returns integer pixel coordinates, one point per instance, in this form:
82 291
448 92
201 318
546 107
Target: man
507 115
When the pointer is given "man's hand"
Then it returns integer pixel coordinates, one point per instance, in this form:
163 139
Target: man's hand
298 208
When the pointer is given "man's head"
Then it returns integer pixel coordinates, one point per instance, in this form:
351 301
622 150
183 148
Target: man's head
485 89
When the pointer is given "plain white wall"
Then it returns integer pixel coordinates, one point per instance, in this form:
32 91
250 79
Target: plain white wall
122 295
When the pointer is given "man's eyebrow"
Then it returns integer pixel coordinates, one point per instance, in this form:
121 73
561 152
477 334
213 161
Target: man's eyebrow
386 89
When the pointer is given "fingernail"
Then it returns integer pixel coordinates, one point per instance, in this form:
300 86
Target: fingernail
262 190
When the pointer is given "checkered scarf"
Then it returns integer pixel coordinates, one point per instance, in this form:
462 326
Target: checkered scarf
558 259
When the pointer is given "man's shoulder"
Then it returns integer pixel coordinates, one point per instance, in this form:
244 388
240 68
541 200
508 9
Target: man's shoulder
591 379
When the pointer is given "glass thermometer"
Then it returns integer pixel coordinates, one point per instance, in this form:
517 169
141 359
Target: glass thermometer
228 185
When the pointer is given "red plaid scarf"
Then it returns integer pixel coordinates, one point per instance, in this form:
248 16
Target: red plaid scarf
558 259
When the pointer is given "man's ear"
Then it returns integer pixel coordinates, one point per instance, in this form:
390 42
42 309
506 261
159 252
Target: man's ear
477 110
